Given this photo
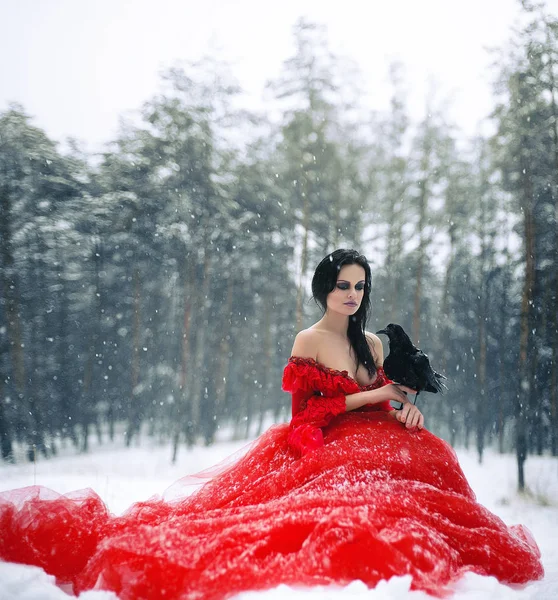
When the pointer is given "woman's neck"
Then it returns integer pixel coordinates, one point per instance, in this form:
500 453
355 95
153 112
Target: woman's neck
334 322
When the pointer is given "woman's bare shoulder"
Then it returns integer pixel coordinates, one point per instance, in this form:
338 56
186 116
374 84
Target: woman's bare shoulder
373 338
376 348
306 343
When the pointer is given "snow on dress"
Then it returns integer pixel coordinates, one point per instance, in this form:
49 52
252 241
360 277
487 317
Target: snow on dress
332 497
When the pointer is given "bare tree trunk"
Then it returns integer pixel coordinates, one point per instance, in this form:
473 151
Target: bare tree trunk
196 382
467 433
223 360
67 405
89 389
179 409
526 299
482 313
420 261
84 416
134 416
504 395
6 447
394 252
99 350
481 376
536 426
452 427
267 366
554 393
445 301
502 383
445 337
336 219
37 409
249 404
10 288
303 262
554 325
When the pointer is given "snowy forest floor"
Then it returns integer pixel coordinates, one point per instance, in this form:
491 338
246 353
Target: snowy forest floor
123 475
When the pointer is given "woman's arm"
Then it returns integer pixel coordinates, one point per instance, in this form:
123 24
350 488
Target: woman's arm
391 391
306 346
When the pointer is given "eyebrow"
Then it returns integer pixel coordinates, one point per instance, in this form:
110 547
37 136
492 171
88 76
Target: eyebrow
345 281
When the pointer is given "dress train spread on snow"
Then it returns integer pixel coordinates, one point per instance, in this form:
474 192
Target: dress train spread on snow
333 496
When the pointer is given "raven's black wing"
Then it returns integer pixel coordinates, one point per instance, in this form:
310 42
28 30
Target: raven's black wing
429 380
398 368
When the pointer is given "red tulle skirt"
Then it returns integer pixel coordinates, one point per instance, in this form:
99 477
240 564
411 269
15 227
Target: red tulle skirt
375 501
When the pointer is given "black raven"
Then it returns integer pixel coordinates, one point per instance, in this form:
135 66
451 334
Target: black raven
408 365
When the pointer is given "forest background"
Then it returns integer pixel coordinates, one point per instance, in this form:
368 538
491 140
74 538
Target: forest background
156 288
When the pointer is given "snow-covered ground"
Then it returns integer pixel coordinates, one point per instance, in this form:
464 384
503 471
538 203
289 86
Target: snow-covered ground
122 476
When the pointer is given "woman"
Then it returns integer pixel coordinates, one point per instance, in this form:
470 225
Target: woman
341 286
350 489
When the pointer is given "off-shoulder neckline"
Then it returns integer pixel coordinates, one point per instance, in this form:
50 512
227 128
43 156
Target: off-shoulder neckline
322 367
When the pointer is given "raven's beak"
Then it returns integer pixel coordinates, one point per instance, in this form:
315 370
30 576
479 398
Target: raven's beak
381 331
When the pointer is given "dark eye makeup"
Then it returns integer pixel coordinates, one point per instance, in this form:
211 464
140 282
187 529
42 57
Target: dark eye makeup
344 285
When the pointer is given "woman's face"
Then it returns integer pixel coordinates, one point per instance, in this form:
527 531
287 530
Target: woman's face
346 296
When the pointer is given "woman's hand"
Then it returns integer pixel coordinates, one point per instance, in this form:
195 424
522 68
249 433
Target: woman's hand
392 391
410 415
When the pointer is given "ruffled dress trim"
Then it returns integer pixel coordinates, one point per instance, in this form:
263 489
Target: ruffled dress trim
306 373
318 395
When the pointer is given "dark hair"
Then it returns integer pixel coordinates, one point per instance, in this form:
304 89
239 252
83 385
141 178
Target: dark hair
324 282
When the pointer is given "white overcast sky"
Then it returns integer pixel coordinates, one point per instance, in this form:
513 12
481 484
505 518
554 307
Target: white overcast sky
77 66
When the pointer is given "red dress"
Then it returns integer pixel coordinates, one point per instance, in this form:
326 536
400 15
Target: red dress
333 496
